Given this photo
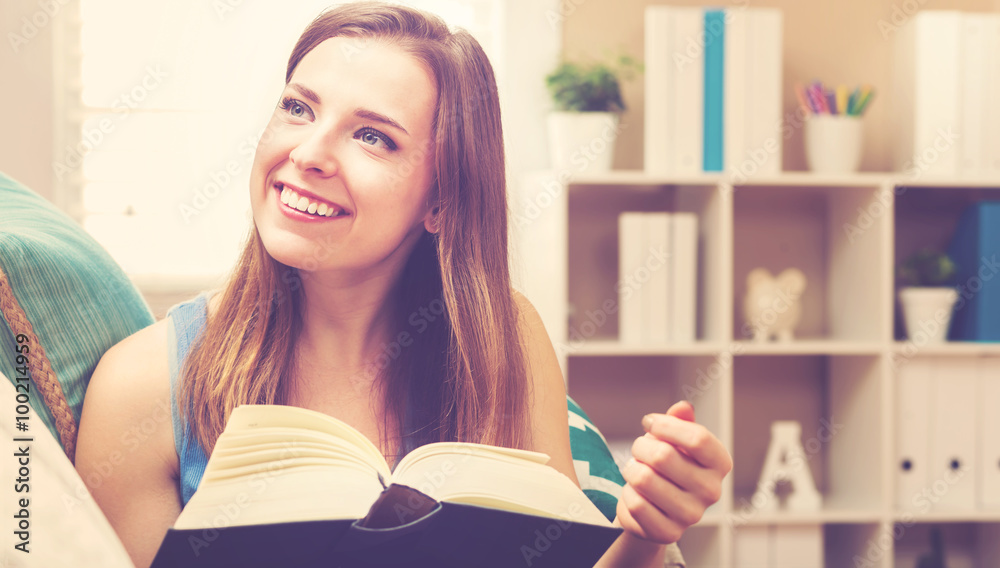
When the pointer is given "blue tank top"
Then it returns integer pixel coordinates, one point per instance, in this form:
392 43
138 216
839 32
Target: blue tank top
186 321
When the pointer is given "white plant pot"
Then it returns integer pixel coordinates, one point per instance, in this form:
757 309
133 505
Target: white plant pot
927 312
582 141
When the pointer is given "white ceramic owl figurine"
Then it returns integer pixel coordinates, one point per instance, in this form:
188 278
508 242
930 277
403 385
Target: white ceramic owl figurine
772 306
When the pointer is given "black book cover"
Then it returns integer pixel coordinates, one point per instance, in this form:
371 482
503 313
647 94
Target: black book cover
403 528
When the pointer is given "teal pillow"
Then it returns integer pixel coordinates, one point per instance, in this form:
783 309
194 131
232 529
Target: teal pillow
595 466
78 301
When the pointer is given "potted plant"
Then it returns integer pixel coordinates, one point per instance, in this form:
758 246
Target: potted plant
584 123
926 296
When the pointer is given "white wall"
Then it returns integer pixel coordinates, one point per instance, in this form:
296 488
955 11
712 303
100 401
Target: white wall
26 113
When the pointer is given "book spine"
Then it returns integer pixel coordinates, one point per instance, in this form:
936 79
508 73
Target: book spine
974 84
937 91
659 317
715 45
631 234
738 100
688 102
659 147
764 58
991 128
684 270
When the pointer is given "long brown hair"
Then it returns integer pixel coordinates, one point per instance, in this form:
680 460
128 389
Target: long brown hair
465 374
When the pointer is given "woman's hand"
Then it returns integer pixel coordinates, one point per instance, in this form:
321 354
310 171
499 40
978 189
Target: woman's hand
675 473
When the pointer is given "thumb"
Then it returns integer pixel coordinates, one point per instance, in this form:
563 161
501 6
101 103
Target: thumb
683 410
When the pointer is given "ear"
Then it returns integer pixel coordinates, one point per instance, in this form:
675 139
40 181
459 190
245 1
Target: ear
793 280
432 220
757 276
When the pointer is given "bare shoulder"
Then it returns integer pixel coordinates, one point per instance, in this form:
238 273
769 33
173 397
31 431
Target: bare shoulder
548 390
129 392
125 448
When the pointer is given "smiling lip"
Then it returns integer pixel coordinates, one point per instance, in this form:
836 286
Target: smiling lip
294 213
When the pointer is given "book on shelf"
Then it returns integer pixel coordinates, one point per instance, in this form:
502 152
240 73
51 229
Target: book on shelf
974 248
658 271
946 82
713 90
287 486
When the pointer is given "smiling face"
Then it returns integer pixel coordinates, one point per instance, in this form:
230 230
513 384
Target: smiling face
342 177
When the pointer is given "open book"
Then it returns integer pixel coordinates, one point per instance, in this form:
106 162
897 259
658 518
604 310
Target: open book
286 486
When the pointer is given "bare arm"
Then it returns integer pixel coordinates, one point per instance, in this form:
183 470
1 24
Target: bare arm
125 450
551 433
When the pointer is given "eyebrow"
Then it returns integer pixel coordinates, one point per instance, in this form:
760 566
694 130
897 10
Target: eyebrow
361 112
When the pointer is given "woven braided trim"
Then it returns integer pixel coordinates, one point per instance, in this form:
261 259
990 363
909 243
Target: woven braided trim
41 370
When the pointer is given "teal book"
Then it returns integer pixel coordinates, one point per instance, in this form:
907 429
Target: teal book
715 48
975 250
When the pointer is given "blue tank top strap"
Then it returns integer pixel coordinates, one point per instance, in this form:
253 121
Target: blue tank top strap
186 322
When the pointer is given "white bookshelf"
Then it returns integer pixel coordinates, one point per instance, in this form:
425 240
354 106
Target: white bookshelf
839 370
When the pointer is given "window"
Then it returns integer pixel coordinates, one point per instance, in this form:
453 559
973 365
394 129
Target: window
174 97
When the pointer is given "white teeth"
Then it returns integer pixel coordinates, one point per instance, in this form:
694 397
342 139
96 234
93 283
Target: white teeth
302 203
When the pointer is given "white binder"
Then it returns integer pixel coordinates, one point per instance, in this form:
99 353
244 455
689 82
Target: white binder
797 546
632 309
953 472
913 406
752 547
657 289
989 432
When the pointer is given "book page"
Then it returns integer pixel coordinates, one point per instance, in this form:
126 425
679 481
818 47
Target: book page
303 493
250 418
501 478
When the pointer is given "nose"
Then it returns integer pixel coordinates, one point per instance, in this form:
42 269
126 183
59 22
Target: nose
315 153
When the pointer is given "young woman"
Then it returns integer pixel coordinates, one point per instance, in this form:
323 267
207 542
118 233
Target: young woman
374 287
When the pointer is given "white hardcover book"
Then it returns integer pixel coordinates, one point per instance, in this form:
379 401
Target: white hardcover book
797 546
991 127
973 93
658 149
953 473
927 90
752 547
988 427
632 309
657 291
912 427
689 88
684 276
736 96
764 90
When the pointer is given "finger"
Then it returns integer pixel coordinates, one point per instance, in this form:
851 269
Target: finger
680 469
692 438
683 410
674 502
639 516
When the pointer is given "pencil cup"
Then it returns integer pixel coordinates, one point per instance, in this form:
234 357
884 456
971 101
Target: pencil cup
833 143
